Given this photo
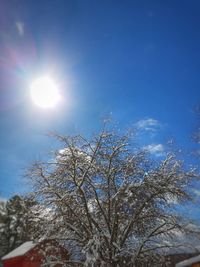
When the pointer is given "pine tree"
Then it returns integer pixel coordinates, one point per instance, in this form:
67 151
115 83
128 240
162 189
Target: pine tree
18 223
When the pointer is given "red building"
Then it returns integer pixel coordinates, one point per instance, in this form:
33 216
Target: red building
32 254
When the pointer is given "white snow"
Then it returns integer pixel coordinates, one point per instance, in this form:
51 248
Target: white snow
188 262
20 251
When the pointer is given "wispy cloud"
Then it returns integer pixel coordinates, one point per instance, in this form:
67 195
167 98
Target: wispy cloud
20 27
155 149
149 124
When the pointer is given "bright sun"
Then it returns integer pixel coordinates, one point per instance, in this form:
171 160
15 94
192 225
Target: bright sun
44 92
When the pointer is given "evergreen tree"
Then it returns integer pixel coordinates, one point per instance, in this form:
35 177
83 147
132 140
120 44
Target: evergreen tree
18 223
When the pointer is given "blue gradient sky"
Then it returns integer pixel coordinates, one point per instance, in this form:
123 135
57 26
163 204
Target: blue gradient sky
138 60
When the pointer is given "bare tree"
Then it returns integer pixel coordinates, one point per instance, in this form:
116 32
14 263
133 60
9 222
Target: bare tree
111 201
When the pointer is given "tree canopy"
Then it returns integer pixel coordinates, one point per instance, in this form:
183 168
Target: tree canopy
110 201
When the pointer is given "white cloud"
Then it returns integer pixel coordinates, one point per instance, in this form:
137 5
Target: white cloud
149 124
20 27
155 149
171 199
66 153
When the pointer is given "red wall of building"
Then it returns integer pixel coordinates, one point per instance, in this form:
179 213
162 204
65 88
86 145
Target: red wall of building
13 262
36 256
27 263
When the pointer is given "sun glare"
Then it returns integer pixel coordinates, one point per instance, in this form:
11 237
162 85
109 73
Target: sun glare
44 92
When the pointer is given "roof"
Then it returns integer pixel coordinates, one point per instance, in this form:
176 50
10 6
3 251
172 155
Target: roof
188 262
20 251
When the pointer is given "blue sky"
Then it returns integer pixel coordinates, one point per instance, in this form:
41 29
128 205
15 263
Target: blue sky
137 60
